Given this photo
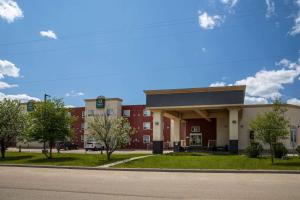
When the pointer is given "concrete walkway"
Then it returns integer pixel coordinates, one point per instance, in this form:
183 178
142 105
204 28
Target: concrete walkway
122 161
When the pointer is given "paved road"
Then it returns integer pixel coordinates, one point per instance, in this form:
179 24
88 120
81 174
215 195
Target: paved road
44 184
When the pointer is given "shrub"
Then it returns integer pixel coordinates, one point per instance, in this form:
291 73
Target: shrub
279 150
254 150
298 150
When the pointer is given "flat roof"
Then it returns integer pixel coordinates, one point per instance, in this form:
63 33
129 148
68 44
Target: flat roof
203 89
117 99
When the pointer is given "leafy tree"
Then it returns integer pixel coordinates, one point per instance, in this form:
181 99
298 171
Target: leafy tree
112 132
12 123
271 126
49 122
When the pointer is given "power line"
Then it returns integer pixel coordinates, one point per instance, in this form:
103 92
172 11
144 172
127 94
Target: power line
137 27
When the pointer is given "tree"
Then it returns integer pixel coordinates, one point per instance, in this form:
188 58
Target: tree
12 123
112 132
49 122
271 126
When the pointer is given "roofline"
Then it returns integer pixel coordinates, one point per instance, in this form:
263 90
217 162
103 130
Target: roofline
118 99
204 89
270 105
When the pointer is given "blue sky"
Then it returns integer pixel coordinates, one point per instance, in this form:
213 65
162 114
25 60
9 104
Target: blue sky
82 49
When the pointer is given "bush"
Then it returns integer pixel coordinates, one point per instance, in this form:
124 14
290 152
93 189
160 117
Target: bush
254 150
298 150
279 150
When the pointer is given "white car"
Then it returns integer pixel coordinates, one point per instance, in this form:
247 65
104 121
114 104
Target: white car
93 146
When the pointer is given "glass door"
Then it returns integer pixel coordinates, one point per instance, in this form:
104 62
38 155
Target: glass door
196 139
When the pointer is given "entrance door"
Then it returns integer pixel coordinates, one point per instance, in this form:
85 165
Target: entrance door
195 139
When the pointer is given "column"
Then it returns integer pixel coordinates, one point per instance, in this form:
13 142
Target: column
158 134
233 130
175 131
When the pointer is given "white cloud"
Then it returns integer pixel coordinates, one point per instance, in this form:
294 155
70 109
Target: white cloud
73 93
229 3
69 106
48 34
218 84
268 84
21 97
4 85
210 22
203 49
9 10
294 101
8 69
255 100
296 28
270 8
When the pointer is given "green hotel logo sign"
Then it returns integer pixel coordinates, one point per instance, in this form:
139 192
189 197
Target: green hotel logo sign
30 106
100 102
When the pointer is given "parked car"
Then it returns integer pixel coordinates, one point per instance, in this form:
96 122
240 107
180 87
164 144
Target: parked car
94 146
66 145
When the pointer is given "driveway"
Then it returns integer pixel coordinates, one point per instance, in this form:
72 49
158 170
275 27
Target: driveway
41 183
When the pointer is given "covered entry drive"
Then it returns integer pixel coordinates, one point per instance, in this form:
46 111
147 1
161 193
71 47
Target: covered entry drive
201 118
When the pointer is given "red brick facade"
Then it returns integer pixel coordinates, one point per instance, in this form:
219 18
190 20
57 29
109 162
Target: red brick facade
136 120
78 125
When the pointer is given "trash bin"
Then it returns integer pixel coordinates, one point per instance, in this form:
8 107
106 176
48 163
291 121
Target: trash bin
176 146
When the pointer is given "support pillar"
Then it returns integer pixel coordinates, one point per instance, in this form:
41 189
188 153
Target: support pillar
158 136
234 130
175 131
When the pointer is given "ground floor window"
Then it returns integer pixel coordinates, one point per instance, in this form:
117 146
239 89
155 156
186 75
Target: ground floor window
294 135
146 138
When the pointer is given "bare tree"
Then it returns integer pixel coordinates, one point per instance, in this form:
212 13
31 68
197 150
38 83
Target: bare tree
112 132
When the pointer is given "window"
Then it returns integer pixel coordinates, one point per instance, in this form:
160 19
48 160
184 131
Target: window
195 129
147 125
82 126
251 135
146 138
90 113
109 112
126 113
82 138
293 135
83 113
147 113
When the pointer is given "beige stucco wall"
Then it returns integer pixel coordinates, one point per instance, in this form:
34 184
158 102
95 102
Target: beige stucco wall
90 104
249 113
222 127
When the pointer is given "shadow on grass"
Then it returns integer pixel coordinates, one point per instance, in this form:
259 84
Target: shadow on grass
54 160
12 158
287 164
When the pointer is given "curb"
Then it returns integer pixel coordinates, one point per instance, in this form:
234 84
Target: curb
160 170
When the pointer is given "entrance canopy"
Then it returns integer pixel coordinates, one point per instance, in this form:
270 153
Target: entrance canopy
193 103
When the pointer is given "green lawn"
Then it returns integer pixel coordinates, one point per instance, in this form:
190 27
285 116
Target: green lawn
209 161
62 159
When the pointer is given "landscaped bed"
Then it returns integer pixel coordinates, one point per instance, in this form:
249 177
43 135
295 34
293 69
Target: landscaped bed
63 159
211 161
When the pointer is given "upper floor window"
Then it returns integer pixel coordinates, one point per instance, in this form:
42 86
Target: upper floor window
147 113
90 113
109 112
294 135
82 126
83 113
251 135
147 125
126 113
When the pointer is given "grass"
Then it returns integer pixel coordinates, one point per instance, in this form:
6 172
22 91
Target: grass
63 159
210 161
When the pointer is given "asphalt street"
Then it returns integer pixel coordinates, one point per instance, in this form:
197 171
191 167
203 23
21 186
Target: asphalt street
67 184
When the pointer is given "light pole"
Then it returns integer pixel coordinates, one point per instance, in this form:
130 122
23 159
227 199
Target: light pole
45 100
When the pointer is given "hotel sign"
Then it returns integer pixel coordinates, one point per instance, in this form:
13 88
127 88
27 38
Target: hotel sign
30 106
100 102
